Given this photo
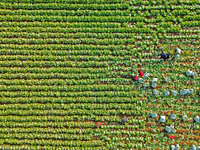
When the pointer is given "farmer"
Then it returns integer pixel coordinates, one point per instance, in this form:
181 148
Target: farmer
98 124
176 54
141 73
124 120
164 56
134 77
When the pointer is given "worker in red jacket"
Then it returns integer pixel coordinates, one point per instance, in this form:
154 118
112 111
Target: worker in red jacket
141 73
135 77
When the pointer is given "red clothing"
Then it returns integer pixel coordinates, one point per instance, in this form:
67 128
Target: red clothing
136 77
98 124
171 137
141 73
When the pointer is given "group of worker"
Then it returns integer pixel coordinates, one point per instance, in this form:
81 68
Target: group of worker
163 55
166 56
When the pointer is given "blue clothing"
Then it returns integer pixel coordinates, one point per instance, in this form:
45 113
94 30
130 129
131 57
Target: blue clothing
124 120
164 56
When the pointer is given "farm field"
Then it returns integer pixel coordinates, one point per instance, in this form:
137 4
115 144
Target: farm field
66 80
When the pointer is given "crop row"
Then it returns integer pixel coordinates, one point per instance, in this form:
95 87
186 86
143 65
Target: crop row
174 12
77 30
90 41
172 106
60 119
73 35
50 82
86 76
165 7
178 124
58 6
179 37
131 62
190 23
67 1
44 147
78 58
88 97
54 119
71 18
67 88
55 53
53 70
51 142
68 94
52 76
63 125
139 2
71 131
46 136
96 18
61 24
53 64
64 47
156 14
166 67
163 2
149 52
95 35
67 41
65 12
130 139
51 130
88 64
67 53
124 132
67 107
118 81
97 13
36 119
98 112
88 25
148 60
67 137
171 102
68 100
170 24
50 124
111 106
161 14
123 30
129 145
76 76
